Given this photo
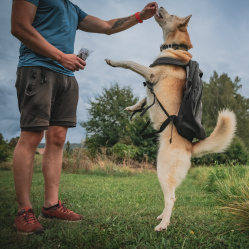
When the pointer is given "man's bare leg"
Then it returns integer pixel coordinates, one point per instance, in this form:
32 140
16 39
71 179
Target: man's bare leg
52 163
23 161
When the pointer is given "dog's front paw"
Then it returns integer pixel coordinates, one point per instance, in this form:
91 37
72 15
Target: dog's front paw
129 109
110 62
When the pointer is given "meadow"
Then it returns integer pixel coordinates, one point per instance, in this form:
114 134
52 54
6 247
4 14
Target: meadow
120 207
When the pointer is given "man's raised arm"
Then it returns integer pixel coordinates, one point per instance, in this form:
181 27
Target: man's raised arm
96 25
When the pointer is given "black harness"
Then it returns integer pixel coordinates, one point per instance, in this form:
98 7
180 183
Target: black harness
170 118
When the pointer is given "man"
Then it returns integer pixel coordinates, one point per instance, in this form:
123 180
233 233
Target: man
48 94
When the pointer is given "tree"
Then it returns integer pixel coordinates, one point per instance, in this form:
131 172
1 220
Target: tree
68 147
13 141
147 148
220 93
107 119
109 124
4 149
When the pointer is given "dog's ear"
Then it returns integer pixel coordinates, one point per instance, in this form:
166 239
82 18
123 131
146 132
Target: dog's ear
183 24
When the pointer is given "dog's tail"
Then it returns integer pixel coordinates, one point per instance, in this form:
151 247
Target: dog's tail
220 138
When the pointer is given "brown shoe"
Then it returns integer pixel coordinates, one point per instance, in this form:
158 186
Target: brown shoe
59 212
26 223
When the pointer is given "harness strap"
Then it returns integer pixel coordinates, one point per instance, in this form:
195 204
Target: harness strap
147 108
150 86
162 127
145 127
170 118
138 110
168 61
162 107
172 123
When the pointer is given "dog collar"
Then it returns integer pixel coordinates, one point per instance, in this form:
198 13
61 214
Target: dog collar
174 46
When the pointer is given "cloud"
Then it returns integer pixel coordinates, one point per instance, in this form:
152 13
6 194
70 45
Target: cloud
219 35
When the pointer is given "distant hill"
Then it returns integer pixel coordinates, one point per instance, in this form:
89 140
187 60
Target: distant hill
41 145
73 145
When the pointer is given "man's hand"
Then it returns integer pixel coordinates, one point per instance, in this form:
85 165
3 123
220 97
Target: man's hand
72 62
149 11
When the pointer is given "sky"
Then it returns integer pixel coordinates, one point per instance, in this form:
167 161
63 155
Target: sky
219 32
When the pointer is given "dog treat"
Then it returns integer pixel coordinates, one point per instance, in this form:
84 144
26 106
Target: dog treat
84 53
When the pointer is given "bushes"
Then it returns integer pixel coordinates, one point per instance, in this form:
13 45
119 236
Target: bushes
4 150
229 176
4 153
231 185
76 160
80 161
123 151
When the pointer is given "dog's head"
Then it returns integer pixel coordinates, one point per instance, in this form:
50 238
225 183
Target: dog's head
173 27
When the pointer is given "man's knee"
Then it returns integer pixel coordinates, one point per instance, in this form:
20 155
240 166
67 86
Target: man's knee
31 139
56 135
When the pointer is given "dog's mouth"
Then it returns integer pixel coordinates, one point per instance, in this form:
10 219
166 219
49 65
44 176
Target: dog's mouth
160 16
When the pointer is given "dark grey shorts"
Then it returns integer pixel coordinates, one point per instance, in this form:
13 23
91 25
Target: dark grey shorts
45 98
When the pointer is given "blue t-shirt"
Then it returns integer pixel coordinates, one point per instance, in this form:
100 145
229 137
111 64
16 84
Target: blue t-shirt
57 22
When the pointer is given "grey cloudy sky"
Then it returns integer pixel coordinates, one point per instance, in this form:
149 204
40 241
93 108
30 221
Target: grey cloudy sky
219 31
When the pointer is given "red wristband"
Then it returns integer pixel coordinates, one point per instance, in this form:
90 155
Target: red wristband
138 17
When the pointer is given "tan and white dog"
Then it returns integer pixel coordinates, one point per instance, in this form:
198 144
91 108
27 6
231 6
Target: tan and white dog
169 81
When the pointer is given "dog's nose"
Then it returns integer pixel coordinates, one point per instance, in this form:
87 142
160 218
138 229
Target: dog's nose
161 7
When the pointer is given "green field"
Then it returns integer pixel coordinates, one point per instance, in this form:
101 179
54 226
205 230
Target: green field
120 211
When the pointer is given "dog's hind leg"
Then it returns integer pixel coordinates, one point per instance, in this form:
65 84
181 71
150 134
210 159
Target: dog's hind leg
169 199
160 217
146 72
171 170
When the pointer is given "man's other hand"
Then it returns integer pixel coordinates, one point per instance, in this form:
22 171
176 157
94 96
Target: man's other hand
72 62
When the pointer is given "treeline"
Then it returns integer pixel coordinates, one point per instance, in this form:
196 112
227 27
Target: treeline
110 129
109 126
220 93
6 148
223 93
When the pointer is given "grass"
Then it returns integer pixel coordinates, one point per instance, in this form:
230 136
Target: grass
120 212
232 187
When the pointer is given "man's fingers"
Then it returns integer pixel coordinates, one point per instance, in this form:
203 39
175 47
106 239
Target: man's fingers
80 65
152 7
155 6
81 61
